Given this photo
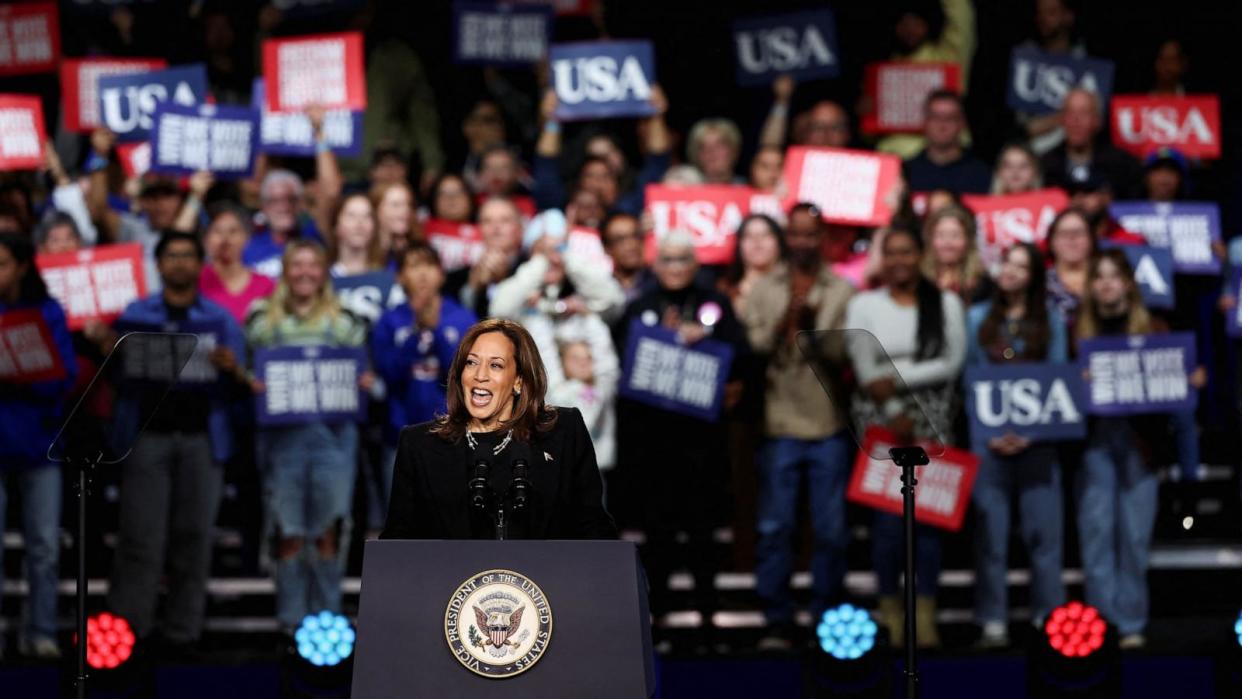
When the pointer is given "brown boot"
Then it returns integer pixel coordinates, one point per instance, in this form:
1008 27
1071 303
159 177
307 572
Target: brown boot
925 623
892 617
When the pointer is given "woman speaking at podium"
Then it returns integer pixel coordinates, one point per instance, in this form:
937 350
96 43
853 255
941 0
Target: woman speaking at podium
498 449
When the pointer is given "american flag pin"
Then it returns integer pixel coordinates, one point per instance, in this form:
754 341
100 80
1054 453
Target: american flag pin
547 456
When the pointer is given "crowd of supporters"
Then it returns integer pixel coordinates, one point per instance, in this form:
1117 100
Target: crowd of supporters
262 256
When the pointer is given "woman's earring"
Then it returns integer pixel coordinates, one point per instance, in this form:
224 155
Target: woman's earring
517 391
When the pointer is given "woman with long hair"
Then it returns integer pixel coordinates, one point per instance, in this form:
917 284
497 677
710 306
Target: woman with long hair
951 259
907 366
354 241
30 412
1016 325
310 479
1070 244
1118 486
760 249
225 279
396 223
496 411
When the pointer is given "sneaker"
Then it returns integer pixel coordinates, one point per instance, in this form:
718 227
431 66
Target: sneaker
1132 641
40 647
995 635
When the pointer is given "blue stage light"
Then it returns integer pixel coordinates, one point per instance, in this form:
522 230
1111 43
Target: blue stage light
846 632
325 639
1237 628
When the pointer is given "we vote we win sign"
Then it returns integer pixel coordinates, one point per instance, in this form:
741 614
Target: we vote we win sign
603 79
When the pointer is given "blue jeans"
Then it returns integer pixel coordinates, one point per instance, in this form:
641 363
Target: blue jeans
827 463
1186 435
40 496
309 492
1034 476
1117 500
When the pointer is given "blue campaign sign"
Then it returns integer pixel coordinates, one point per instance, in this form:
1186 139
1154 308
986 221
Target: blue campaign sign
1233 323
310 384
1136 374
664 373
369 295
1039 82
1153 270
500 34
1188 229
1041 402
291 133
603 79
802 45
127 102
224 140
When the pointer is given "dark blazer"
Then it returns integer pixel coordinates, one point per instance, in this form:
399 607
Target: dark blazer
430 494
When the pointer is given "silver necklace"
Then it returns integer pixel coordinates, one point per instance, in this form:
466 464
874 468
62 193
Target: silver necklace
474 443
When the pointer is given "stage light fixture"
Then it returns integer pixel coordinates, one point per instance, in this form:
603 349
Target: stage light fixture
109 641
1075 630
1237 629
325 639
846 632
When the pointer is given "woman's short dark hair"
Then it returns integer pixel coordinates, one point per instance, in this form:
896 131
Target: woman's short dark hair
530 413
59 218
433 194
738 268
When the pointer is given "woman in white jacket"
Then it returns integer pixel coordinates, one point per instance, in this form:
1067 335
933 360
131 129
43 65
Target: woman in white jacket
562 299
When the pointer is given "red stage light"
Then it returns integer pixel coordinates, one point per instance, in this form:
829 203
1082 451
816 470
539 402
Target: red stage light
1075 630
109 641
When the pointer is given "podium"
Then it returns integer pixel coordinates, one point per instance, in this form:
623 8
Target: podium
469 618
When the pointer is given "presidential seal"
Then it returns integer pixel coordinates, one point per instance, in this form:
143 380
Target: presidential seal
498 623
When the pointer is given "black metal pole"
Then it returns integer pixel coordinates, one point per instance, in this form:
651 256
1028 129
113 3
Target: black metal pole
81 582
907 515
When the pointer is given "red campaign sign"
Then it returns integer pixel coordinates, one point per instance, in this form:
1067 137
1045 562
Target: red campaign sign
585 244
1190 123
22 135
1005 219
94 283
852 187
27 350
322 70
711 213
79 85
897 90
29 38
135 158
459 244
943 490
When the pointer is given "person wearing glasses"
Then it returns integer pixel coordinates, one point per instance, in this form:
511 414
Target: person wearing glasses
675 461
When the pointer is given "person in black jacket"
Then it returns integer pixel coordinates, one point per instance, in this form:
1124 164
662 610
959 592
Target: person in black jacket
676 464
496 413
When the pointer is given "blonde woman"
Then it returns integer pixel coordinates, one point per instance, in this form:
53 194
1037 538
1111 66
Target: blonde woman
310 467
397 225
951 259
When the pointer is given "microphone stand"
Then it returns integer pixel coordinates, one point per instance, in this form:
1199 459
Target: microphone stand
907 458
483 498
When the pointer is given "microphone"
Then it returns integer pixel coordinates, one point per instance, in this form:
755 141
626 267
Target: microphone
480 492
519 487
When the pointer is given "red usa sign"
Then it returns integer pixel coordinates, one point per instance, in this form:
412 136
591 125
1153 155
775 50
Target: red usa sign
29 38
1190 123
1005 219
21 132
459 244
322 70
944 485
27 351
95 283
898 89
79 85
135 158
711 213
850 187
